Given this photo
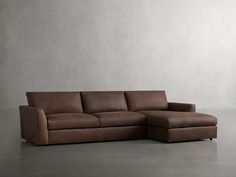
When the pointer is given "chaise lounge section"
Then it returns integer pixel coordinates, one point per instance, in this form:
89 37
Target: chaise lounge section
73 117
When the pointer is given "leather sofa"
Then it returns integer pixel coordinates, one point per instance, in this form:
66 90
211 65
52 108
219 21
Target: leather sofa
72 117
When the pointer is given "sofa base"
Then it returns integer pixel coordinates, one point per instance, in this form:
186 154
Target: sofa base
182 134
96 134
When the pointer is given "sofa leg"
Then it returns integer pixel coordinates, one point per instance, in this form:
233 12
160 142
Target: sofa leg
211 139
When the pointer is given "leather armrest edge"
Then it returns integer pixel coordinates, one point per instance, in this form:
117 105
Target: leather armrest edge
33 125
184 107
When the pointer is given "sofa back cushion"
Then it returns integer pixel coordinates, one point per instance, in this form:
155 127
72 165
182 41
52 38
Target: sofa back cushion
146 100
103 101
56 102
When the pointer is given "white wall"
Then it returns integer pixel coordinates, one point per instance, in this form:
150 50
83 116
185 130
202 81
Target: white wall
186 47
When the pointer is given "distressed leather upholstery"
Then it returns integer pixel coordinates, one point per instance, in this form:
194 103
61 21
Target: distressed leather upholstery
103 101
146 100
120 118
71 121
55 102
33 125
72 117
182 107
171 119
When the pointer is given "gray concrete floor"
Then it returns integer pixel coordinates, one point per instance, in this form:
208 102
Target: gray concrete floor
121 158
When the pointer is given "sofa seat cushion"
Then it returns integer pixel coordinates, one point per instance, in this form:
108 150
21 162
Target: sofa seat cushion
120 118
71 121
172 119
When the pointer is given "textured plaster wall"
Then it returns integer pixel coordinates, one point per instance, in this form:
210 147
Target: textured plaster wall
186 47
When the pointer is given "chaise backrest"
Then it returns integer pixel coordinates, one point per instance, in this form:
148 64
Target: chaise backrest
146 100
102 101
56 102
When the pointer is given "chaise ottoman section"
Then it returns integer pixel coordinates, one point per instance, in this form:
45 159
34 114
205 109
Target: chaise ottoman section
171 126
173 119
182 134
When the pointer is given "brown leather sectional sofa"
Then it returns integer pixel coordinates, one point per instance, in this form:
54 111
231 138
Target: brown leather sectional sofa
72 117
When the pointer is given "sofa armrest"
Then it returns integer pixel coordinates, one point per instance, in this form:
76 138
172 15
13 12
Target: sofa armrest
184 107
33 125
